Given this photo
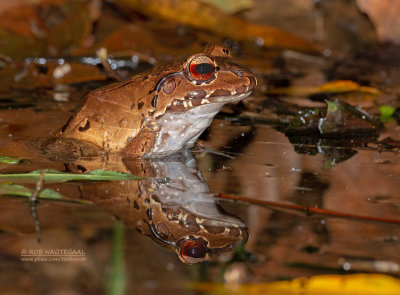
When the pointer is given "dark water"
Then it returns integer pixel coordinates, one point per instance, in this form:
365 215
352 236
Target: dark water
245 158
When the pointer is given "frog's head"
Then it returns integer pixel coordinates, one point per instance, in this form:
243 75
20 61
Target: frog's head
205 78
187 98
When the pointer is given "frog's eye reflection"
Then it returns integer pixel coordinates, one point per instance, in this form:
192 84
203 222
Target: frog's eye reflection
193 251
201 68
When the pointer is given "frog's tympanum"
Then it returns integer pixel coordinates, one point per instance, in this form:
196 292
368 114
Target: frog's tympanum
172 205
161 112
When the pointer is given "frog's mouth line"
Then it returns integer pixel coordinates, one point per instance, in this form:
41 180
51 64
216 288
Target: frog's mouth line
182 104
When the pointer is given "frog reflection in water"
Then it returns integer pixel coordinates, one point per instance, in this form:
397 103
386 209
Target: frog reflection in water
157 113
173 206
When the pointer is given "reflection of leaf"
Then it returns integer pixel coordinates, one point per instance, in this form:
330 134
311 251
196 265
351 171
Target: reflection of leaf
52 176
9 160
21 191
10 189
366 284
204 16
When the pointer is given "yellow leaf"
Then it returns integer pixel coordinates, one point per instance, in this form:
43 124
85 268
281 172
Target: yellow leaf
346 86
358 284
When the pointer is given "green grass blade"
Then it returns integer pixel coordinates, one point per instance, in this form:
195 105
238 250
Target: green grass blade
16 190
53 176
116 277
10 160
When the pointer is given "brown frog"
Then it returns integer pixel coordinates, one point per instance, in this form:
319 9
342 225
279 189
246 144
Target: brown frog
157 113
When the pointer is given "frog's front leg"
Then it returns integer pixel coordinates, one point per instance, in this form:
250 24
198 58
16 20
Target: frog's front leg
142 144
67 149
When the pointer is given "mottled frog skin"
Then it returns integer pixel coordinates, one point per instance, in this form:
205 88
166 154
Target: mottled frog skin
161 112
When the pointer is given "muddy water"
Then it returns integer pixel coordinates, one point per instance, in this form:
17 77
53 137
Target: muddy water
241 158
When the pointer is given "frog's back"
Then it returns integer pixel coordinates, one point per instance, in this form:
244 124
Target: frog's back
109 117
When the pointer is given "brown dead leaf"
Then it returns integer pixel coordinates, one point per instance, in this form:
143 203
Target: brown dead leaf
145 40
205 16
74 72
33 75
17 46
20 20
44 30
73 30
332 87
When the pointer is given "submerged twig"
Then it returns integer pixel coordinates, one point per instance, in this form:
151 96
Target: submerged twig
6 58
308 210
202 147
33 203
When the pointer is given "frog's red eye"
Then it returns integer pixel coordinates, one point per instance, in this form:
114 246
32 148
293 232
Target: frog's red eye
201 68
193 251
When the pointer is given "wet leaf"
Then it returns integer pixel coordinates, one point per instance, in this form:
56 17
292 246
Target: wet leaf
53 176
48 193
21 191
339 120
15 190
344 119
366 284
9 160
305 122
10 189
205 16
388 144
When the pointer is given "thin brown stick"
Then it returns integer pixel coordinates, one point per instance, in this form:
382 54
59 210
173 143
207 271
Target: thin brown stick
33 203
102 55
309 210
6 58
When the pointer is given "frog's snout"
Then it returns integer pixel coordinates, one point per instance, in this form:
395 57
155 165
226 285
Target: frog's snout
252 82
